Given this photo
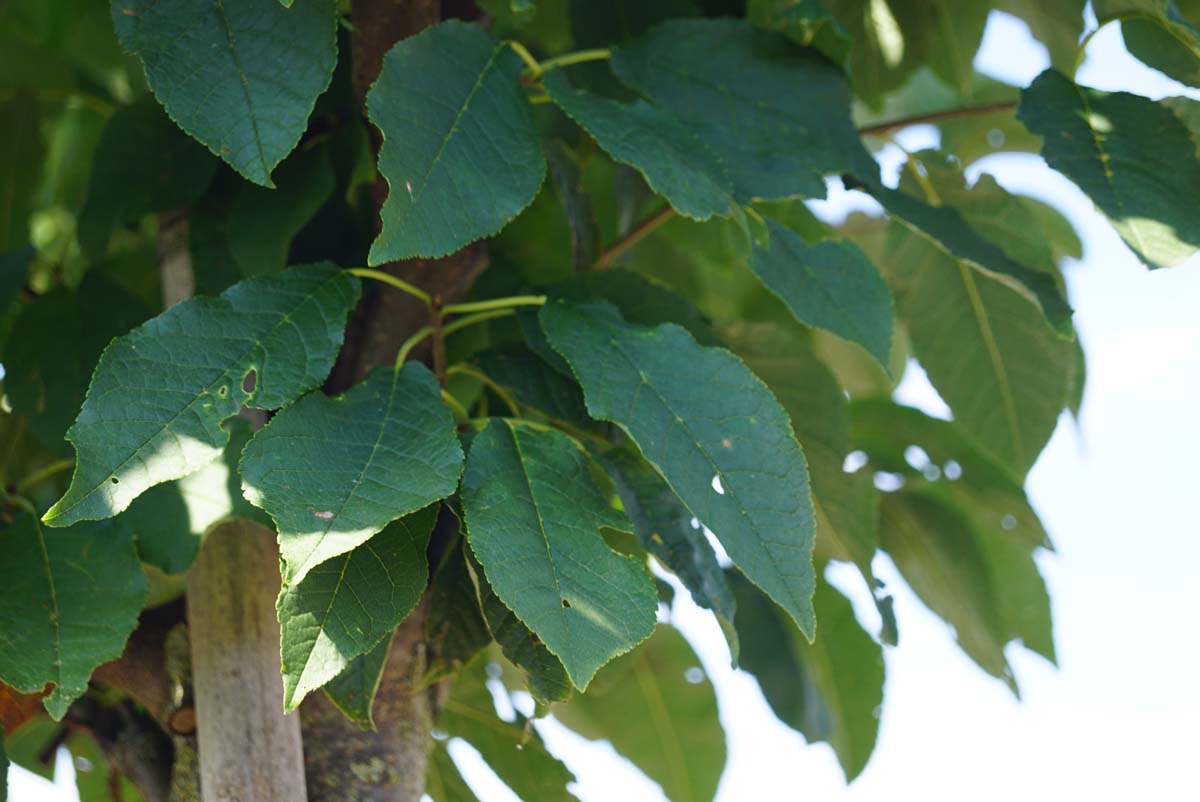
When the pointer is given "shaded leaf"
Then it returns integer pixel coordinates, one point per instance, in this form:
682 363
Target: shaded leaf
1099 141
664 527
71 598
21 169
346 605
581 219
774 142
240 77
534 383
443 781
729 451
830 285
533 516
353 691
141 425
142 163
1057 25
447 101
676 163
454 627
830 690
658 709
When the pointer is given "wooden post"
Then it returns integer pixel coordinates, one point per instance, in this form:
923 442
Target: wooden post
249 750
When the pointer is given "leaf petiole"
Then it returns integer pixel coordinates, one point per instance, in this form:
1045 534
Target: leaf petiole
39 476
492 384
423 332
494 303
392 281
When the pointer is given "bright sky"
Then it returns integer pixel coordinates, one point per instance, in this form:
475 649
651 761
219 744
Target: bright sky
1117 719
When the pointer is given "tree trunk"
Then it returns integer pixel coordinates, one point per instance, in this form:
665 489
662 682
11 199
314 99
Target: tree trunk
344 763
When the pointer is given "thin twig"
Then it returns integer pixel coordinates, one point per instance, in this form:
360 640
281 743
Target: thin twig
938 116
636 235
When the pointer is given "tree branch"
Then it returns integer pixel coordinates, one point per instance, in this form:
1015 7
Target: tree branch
879 129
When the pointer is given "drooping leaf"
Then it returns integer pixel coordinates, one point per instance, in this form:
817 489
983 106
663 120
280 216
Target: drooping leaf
664 527
512 750
346 605
937 552
806 22
143 163
946 232
576 202
829 690
956 31
332 472
443 781
985 347
262 222
657 708
448 101
533 516
728 450
735 86
454 628
97 779
353 691
266 341
888 40
169 520
546 677
23 149
830 285
71 598
676 163
1099 141
240 77
1023 599
534 383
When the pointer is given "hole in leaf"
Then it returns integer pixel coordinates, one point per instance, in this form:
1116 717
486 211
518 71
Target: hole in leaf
566 604
223 391
115 480
249 381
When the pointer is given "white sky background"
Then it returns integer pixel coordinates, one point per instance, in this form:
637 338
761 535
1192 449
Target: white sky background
1117 719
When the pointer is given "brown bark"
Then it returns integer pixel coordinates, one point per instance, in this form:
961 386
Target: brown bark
343 762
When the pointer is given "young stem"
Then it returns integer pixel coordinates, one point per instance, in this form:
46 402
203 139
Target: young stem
447 329
39 476
501 393
392 281
439 341
578 57
460 412
494 303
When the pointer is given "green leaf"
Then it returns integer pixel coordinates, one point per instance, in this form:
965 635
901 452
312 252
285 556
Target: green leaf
142 163
454 627
888 40
846 505
334 471
169 520
447 101
1157 33
345 606
728 451
734 86
938 553
21 169
54 345
545 675
664 528
576 202
263 222
534 383
240 77
990 490
829 690
806 22
142 425
443 781
513 750
71 598
599 23
657 708
96 777
945 231
533 516
676 163
985 347
353 691
1099 141
956 31
830 285
1058 26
